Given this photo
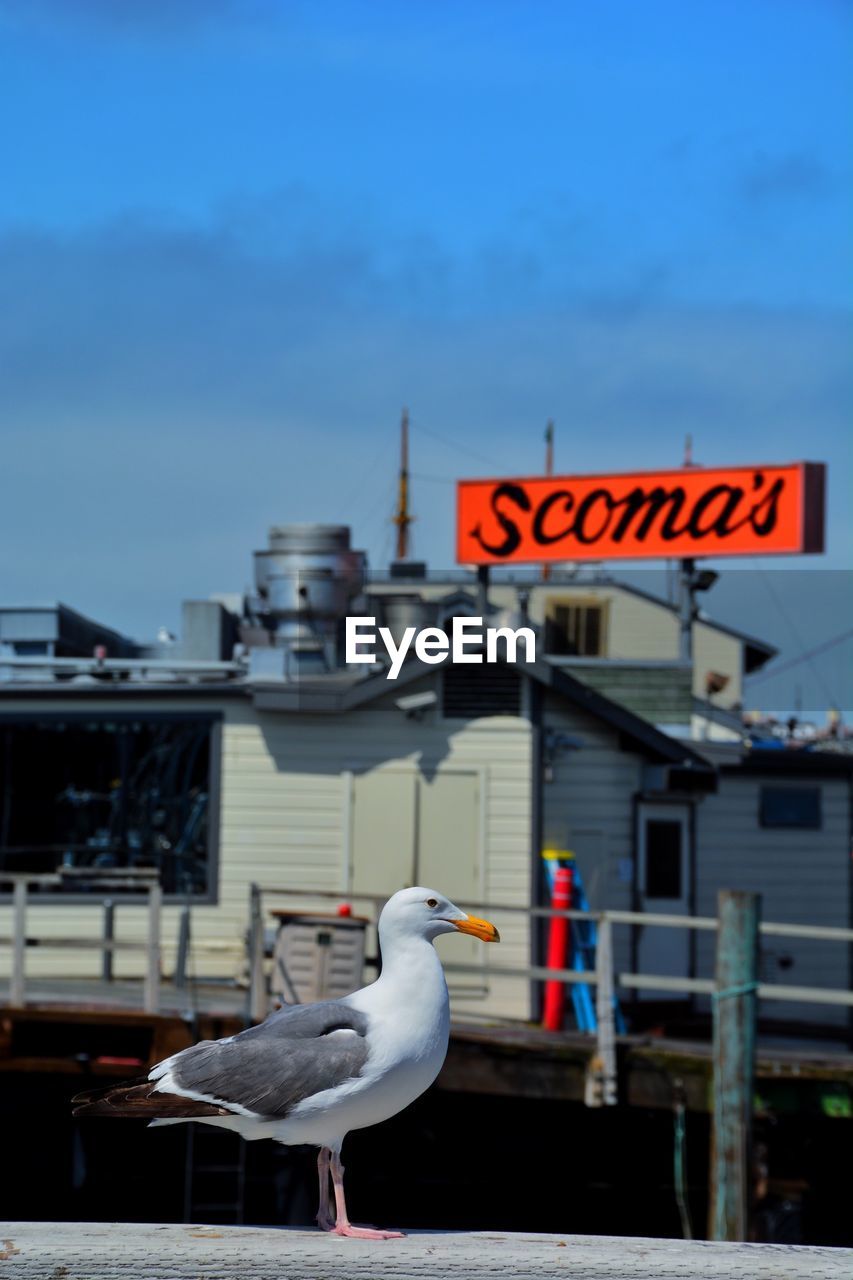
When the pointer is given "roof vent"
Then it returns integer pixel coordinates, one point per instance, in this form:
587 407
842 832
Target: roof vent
470 692
305 581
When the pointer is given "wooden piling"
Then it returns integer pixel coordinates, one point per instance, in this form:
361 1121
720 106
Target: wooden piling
734 1000
109 939
259 1001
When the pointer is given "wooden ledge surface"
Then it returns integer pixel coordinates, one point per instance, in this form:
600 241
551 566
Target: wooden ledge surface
121 1251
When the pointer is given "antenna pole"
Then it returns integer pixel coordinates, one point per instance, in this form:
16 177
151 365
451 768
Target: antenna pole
688 451
402 518
686 580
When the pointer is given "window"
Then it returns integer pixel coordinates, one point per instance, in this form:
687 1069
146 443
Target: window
108 791
575 628
797 807
663 858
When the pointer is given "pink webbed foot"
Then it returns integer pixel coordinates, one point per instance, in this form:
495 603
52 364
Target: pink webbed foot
343 1226
367 1233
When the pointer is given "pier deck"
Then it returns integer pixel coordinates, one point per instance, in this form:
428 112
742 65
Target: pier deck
118 1251
492 1059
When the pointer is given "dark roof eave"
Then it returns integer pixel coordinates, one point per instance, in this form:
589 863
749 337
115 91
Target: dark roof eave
776 763
756 654
293 698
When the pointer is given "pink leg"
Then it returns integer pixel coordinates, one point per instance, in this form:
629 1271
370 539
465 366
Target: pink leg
343 1226
325 1221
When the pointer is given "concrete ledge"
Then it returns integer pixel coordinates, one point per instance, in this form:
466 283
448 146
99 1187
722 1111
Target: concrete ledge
133 1251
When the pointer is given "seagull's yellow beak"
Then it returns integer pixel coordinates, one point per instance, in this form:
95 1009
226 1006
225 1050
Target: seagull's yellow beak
479 928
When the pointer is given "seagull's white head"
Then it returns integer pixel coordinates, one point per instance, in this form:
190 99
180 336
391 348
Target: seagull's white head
426 913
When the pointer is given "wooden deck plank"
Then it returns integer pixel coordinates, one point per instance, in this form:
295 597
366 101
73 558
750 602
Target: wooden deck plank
119 1251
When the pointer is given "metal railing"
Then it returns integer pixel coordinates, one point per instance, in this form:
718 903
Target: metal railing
117 668
603 977
131 878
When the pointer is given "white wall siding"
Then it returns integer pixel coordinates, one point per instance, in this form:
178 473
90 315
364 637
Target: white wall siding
588 808
715 650
803 878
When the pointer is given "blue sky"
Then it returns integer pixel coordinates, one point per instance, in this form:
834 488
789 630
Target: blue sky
236 237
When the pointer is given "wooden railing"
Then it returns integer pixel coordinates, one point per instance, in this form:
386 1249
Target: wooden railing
603 977
97 881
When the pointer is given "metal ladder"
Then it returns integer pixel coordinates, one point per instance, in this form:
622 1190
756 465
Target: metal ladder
583 936
212 1157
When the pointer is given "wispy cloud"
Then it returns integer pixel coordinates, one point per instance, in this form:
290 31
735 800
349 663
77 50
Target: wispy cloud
793 175
183 315
157 18
169 389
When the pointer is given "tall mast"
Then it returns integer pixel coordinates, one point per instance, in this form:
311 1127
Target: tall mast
549 471
401 518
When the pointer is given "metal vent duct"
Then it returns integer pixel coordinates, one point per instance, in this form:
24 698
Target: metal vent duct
305 581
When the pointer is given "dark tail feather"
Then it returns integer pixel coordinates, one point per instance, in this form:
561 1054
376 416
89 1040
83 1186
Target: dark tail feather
138 1098
93 1095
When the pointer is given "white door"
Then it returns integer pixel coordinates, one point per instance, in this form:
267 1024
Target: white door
411 829
382 844
449 835
448 859
663 869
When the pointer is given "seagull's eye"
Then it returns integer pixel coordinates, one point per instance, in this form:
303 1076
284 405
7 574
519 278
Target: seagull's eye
432 902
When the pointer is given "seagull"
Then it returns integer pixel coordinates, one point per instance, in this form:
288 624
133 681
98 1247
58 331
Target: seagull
310 1073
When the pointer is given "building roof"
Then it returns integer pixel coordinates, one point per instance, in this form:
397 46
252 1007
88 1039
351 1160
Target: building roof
324 697
756 652
57 622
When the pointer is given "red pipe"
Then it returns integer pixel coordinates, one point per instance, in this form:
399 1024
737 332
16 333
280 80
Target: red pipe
558 950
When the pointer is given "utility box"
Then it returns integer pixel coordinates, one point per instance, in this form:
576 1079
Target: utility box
317 957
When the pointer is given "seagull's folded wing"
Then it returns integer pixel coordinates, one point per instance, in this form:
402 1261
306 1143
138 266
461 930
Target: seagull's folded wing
263 1072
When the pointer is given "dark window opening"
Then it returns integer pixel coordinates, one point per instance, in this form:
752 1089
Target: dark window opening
101 792
471 691
797 807
30 648
663 858
575 630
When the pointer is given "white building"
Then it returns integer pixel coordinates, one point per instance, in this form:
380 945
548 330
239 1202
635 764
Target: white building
227 773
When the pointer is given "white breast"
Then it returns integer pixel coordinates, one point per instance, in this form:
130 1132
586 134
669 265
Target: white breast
408 1013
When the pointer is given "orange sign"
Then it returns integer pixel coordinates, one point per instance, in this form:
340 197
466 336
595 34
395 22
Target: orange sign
694 511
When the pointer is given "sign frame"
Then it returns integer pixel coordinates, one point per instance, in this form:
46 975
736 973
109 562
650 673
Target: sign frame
674 513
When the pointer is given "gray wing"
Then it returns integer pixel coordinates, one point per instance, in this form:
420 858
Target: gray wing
269 1068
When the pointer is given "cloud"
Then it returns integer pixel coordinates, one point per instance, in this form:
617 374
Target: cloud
794 175
156 18
180 316
167 390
